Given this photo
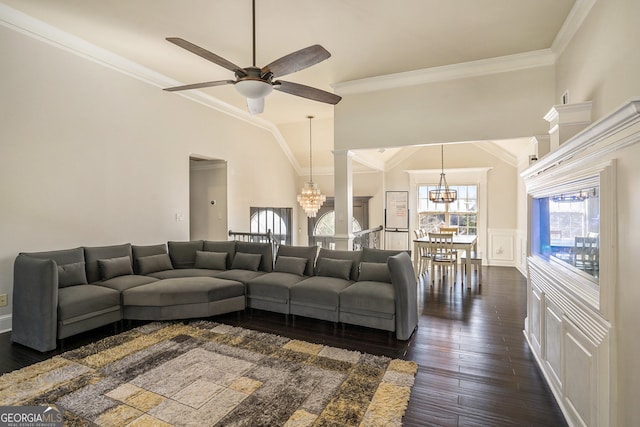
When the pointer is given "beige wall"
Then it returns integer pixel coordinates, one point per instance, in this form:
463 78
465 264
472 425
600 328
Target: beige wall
89 156
498 106
602 65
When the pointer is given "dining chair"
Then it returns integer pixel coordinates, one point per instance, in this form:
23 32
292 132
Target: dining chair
423 256
453 230
586 253
475 259
443 255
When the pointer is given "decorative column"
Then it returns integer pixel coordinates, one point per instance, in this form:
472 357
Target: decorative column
343 187
566 121
541 144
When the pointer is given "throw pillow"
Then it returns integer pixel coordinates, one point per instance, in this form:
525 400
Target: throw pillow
291 264
211 260
71 274
339 268
114 267
244 261
374 272
153 263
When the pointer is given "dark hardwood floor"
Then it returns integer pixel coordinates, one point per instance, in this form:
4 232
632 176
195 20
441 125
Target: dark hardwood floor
475 368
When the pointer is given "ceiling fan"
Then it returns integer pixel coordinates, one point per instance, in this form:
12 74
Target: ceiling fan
255 83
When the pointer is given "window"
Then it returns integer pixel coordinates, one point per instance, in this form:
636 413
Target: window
325 229
278 220
567 228
463 213
326 225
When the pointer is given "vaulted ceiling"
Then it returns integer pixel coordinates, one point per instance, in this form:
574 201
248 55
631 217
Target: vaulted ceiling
365 38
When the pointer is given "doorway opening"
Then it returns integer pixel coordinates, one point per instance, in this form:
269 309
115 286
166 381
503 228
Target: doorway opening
207 198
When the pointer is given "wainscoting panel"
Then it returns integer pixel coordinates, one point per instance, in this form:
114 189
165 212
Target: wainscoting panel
536 319
571 342
553 349
579 369
501 247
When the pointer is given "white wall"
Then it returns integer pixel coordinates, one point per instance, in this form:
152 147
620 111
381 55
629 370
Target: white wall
89 156
602 65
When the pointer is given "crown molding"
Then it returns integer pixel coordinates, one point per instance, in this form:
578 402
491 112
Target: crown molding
572 24
39 30
497 151
502 64
609 134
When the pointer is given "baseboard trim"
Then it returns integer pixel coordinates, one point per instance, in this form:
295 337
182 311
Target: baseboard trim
5 323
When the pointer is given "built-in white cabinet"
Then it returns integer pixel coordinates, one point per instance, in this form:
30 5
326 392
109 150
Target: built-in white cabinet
571 305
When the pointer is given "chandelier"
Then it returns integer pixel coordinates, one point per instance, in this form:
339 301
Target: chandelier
311 199
443 194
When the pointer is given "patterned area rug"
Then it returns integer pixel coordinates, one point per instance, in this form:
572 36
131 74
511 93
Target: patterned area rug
210 374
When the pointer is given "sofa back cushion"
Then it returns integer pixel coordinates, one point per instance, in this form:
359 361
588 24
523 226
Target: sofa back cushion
307 252
211 260
93 254
154 263
378 255
228 246
291 264
146 250
264 249
183 254
353 256
338 268
245 261
61 257
71 274
374 272
114 267
70 263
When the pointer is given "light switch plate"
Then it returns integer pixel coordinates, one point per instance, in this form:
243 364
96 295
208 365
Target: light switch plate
3 300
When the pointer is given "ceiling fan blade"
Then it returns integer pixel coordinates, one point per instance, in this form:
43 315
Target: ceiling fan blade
204 53
200 85
296 61
255 105
306 92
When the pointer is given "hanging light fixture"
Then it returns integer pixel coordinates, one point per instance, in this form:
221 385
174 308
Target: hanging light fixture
311 199
443 194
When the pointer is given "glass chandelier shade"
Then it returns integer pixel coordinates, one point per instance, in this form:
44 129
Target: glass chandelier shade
443 194
310 198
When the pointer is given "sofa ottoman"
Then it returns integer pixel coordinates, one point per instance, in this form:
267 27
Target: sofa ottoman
183 298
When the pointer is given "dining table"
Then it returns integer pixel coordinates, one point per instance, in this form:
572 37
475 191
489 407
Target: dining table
465 242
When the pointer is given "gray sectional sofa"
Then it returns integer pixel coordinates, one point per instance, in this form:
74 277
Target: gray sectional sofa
61 293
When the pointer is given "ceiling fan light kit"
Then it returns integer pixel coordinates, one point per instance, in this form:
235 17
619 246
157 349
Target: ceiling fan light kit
256 83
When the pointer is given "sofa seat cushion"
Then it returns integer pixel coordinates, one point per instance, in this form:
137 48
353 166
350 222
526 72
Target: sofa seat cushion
122 283
186 290
80 302
185 272
368 298
319 291
240 275
273 286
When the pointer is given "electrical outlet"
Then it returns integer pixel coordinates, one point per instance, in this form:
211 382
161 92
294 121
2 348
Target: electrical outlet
3 300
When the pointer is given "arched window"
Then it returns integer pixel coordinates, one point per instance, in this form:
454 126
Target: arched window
326 225
274 219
